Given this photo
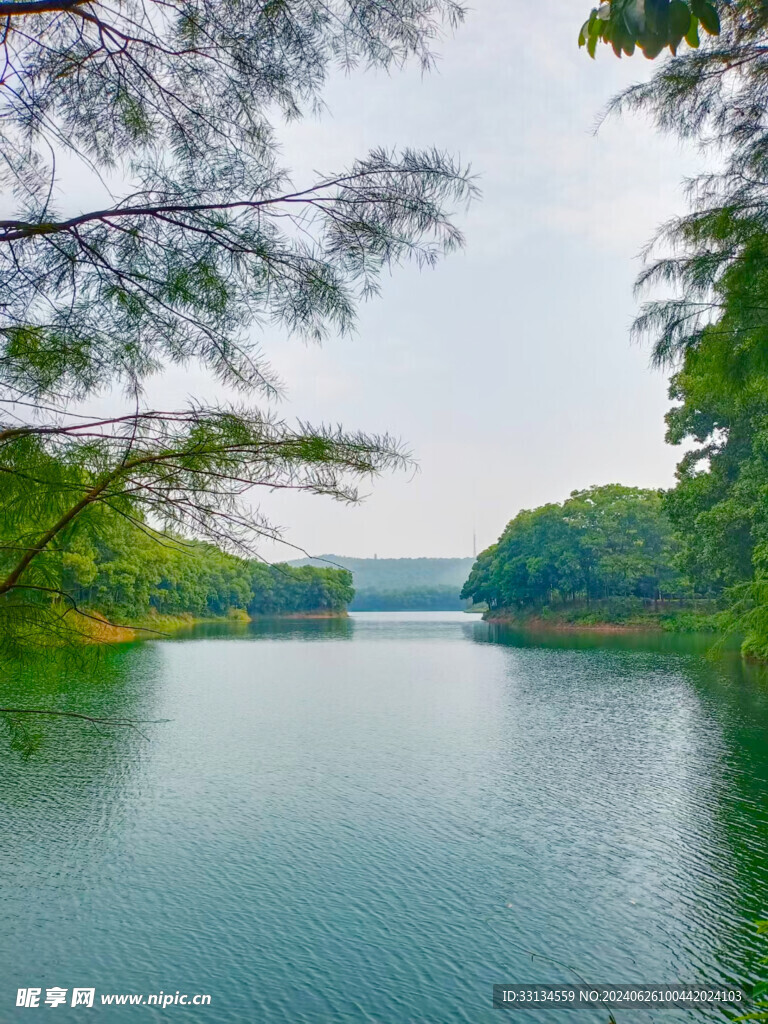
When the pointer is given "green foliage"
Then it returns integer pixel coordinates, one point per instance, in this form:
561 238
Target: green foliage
112 567
283 589
604 542
69 494
21 737
651 25
201 242
720 505
760 991
713 331
126 577
707 619
669 616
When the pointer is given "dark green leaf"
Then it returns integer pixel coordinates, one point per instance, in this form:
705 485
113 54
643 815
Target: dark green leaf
652 46
621 39
709 19
679 19
657 16
634 19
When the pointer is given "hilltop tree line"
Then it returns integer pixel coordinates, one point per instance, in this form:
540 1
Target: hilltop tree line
413 599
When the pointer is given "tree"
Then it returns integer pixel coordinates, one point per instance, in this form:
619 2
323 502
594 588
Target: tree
207 241
603 542
120 572
713 332
718 504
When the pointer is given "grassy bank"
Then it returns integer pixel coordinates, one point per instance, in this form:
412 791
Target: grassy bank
125 628
95 628
623 616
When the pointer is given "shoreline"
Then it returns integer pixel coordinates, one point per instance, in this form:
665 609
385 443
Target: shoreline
97 629
659 622
537 624
341 614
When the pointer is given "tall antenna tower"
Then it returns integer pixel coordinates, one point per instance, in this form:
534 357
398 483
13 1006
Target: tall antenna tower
474 543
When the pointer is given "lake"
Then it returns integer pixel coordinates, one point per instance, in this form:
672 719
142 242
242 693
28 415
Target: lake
376 819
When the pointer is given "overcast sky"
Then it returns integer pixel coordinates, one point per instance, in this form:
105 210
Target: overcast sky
508 369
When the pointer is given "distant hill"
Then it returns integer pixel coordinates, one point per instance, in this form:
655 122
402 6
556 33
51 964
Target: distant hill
402 584
398 573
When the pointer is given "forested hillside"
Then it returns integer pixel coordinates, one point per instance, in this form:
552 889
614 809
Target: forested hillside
129 573
401 584
123 575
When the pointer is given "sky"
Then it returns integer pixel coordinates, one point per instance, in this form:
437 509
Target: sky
508 370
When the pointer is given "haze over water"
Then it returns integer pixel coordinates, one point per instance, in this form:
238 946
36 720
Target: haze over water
379 818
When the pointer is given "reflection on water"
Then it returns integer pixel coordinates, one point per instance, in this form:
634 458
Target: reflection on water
298 628
610 640
373 818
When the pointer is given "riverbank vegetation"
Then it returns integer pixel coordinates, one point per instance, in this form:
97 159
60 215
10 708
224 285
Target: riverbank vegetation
621 615
135 577
129 577
606 556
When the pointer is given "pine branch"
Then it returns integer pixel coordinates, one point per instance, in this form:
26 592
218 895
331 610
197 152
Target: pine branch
127 723
14 8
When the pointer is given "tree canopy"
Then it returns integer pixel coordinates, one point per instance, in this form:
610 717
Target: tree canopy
129 576
603 542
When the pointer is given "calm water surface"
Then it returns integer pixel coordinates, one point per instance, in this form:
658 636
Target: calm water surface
377 819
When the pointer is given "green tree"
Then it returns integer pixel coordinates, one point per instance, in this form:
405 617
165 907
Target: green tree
713 331
197 243
603 542
127 574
